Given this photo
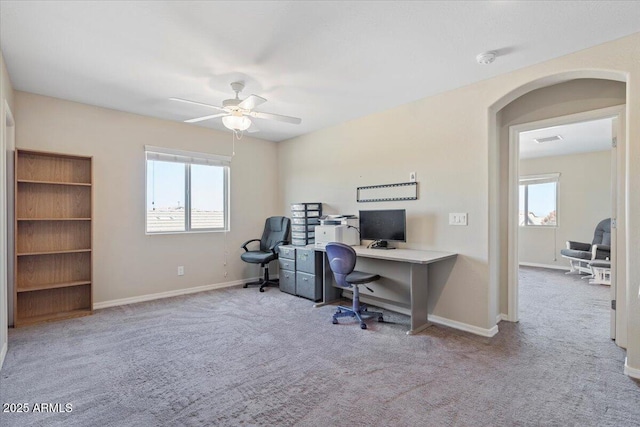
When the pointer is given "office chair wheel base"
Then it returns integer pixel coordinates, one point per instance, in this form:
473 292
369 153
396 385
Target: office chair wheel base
380 319
363 326
245 285
334 321
261 289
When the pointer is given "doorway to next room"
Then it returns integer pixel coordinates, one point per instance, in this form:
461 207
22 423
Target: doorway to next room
566 176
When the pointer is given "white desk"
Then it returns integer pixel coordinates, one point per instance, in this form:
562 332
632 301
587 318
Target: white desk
403 284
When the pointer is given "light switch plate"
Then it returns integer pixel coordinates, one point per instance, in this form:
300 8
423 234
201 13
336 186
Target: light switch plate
457 219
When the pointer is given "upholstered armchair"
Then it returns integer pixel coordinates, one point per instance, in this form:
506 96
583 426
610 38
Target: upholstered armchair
580 254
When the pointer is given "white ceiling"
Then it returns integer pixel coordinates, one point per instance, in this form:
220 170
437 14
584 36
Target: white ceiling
324 61
581 137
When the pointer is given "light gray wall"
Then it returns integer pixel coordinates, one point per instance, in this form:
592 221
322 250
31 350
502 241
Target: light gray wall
128 263
584 199
450 160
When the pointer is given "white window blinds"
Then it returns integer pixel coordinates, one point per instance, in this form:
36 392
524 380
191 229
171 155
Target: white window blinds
181 156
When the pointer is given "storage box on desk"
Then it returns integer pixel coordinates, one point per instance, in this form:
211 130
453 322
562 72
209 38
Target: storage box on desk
304 218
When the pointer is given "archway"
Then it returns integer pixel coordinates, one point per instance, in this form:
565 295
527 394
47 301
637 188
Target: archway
502 259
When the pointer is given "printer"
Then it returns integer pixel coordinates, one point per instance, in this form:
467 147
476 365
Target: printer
337 228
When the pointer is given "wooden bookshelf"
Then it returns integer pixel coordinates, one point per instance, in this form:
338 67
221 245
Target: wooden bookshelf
53 243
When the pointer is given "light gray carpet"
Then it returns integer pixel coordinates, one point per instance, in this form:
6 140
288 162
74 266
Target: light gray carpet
236 357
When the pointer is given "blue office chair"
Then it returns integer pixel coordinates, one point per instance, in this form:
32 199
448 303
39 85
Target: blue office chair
342 260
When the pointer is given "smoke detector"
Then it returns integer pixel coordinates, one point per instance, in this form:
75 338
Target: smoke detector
486 58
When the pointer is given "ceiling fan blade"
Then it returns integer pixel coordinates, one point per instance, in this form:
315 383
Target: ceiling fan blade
271 116
253 128
200 119
252 102
197 103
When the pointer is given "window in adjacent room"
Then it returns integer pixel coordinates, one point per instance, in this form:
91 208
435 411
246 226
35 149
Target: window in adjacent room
539 200
186 191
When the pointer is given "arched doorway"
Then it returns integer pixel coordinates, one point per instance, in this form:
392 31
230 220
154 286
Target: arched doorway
503 262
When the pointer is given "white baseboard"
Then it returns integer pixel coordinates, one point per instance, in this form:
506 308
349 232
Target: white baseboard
168 294
3 353
632 372
463 326
554 267
500 317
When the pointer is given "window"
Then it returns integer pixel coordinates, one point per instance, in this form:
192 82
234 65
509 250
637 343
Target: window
538 201
186 191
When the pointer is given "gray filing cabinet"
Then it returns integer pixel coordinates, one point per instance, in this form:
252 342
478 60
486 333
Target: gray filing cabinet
301 271
287 268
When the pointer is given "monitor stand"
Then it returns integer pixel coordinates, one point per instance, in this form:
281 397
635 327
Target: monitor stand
381 244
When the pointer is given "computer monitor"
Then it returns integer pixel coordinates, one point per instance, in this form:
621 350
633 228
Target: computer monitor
383 226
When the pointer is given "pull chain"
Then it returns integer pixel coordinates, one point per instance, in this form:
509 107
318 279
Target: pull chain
233 149
236 135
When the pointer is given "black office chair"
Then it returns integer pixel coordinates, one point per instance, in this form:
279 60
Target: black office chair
342 260
276 233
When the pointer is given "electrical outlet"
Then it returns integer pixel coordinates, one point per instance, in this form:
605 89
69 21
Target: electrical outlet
412 177
457 219
180 270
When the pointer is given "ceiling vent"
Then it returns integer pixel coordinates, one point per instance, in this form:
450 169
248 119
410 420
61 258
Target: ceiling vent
548 139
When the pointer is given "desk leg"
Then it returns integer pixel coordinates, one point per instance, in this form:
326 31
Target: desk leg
419 286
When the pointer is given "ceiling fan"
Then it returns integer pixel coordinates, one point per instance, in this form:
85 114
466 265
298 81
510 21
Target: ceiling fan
235 112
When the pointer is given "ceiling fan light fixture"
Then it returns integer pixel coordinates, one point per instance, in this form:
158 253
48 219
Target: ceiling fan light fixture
238 123
235 113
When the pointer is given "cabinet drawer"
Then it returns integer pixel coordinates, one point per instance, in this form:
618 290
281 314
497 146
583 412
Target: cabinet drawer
302 235
302 228
308 286
307 261
303 214
305 221
287 252
301 242
306 206
288 281
286 264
